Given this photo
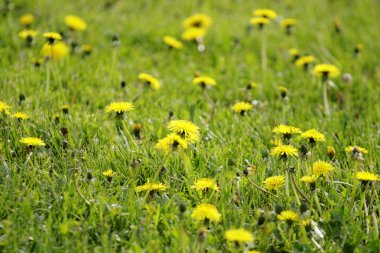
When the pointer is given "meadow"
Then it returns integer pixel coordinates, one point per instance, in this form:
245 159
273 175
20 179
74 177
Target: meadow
189 126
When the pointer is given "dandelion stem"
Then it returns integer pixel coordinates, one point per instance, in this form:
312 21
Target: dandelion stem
130 136
299 191
316 200
262 189
325 99
76 185
263 53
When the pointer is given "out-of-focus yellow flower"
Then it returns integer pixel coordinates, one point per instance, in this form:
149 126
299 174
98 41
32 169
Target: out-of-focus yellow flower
239 235
205 184
274 183
259 21
4 107
20 116
75 23
305 60
242 107
321 168
150 80
204 81
55 51
197 20
27 19
27 34
172 142
288 22
32 141
172 42
204 212
326 70
265 13
193 33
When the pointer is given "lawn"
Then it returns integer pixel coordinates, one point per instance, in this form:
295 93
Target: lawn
254 127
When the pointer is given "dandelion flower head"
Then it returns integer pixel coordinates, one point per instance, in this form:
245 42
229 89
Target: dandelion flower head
288 215
27 19
148 187
366 176
274 183
242 107
205 184
185 129
197 20
20 116
313 135
327 70
321 168
55 51
150 80
171 142
119 107
75 23
172 42
284 151
32 141
239 235
204 212
265 13
193 33
305 60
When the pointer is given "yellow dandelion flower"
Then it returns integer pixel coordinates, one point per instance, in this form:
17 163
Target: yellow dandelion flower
288 22
330 151
119 107
204 81
326 70
358 48
150 81
206 212
355 149
197 20
27 19
32 141
265 13
284 151
27 34
171 142
52 37
20 116
55 51
321 168
4 107
242 107
305 60
310 179
205 184
252 251
239 235
86 49
172 42
193 34
259 21
294 52
185 129
109 174
151 187
75 23
313 136
366 176
288 215
274 183
286 131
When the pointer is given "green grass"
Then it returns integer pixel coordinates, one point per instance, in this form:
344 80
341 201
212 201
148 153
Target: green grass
41 207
